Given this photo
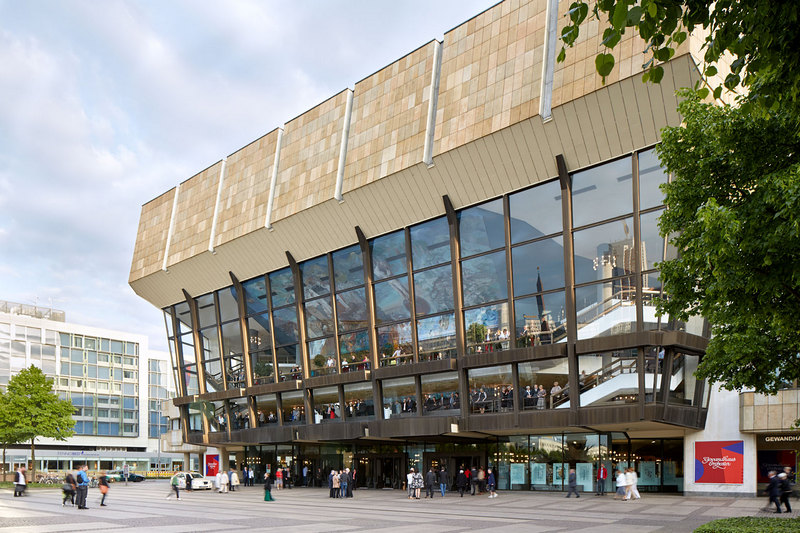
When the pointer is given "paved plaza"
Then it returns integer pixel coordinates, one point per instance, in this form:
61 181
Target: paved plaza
143 507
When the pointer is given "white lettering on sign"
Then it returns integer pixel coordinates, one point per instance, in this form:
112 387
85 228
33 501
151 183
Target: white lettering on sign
719 463
783 438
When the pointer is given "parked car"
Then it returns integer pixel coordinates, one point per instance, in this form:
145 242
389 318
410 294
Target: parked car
198 482
119 476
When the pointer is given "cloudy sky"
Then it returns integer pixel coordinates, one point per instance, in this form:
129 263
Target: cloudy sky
106 104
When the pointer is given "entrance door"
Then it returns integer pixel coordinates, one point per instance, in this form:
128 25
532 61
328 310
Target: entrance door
377 471
453 462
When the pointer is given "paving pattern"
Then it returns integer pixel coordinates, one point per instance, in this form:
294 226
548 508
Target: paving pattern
142 507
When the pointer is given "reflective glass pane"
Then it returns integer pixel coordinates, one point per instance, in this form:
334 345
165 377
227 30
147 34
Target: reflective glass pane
392 301
652 242
538 266
433 290
430 243
351 308
354 351
285 321
326 404
358 398
395 344
437 337
542 383
389 255
290 362
440 394
228 304
322 356
608 378
316 277
319 317
604 309
167 322
489 389
604 251
605 191
231 338
535 212
540 319
293 407
651 175
399 397
348 268
211 358
682 381
184 319
484 279
266 409
481 228
487 328
258 337
263 372
235 371
255 293
281 284
206 310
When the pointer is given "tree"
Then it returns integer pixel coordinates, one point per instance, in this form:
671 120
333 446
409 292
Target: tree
734 214
33 410
8 434
760 37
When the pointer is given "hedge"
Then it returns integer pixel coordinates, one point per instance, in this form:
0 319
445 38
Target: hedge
748 524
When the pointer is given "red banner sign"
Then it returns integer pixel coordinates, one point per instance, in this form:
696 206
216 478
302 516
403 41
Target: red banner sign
212 465
719 462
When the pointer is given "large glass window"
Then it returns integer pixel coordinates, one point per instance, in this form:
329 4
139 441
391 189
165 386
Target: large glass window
605 191
399 397
490 389
239 413
604 251
293 407
348 268
437 337
233 355
543 383
266 409
326 404
212 362
260 346
354 351
206 311
481 228
389 255
351 309
651 176
430 243
538 266
322 356
228 304
255 292
319 317
607 308
535 212
316 277
682 381
487 328
440 394
541 319
395 344
608 378
433 290
652 242
286 328
290 362
281 285
358 398
392 301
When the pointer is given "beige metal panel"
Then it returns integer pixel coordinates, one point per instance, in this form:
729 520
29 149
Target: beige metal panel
194 215
593 134
309 157
245 192
520 163
627 100
388 125
606 133
485 156
500 151
558 138
151 236
642 101
528 143
579 148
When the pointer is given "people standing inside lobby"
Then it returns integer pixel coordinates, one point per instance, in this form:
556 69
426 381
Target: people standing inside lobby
602 475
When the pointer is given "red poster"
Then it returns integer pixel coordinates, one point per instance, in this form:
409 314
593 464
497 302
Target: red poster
212 465
719 462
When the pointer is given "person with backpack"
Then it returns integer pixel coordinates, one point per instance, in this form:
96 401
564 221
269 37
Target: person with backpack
69 488
83 486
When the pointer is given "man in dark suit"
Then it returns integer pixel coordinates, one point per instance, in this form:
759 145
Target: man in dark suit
774 491
444 480
430 481
572 480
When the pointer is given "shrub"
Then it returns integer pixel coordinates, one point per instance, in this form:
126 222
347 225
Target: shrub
750 524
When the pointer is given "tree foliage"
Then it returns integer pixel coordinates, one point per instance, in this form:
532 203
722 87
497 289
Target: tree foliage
33 410
760 37
734 215
9 435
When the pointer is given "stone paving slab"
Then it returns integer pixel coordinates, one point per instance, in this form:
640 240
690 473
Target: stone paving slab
142 507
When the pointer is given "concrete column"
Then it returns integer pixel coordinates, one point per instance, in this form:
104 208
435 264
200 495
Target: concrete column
239 460
187 461
224 462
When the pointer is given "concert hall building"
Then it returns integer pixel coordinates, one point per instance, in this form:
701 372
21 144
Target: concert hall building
452 263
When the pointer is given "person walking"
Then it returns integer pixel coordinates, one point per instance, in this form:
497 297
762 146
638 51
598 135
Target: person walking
461 482
572 484
20 484
444 480
410 484
481 480
175 486
418 482
337 484
218 482
602 475
279 478
430 481
491 483
233 478
267 488
786 490
102 482
225 480
330 483
620 481
69 488
774 491
305 475
631 479
473 479
83 486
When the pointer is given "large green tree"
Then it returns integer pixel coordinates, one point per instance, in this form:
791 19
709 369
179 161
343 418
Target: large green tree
33 410
734 215
8 433
760 38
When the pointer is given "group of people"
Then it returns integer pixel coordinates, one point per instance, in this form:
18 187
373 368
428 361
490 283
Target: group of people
76 488
780 488
341 483
353 408
501 397
268 418
439 480
626 481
